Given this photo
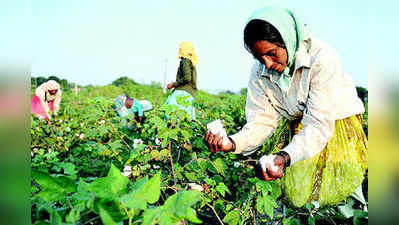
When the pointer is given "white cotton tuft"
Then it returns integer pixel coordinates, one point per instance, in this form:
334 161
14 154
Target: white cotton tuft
137 142
268 160
216 128
195 186
127 170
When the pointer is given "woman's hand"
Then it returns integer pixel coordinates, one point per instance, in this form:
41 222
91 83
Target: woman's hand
215 143
269 174
170 85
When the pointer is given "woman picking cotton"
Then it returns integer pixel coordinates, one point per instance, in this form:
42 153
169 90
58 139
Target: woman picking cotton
46 100
127 108
300 78
185 87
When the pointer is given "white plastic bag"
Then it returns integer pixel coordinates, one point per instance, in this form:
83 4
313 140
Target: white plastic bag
146 105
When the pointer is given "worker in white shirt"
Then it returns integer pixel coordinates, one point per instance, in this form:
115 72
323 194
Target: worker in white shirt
299 77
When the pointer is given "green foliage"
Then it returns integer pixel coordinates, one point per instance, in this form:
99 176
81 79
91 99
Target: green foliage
124 81
37 81
232 218
77 159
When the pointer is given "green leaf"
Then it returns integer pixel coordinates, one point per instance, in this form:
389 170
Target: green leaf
347 209
309 206
229 207
359 214
276 190
155 155
265 204
158 122
311 220
105 217
134 154
264 187
232 218
186 134
180 205
69 169
144 191
55 218
82 193
291 221
51 195
112 207
222 189
191 176
219 166
45 180
210 181
73 216
53 188
111 186
115 145
152 190
152 216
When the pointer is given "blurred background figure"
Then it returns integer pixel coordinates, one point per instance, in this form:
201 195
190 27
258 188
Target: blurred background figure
129 108
46 100
186 79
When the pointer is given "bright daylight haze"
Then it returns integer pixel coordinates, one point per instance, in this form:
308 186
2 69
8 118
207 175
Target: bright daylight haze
95 42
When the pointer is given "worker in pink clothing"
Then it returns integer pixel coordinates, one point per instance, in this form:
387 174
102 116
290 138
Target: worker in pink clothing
46 100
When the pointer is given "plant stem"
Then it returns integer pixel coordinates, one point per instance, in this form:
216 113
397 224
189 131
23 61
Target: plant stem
214 211
171 162
253 217
69 202
92 219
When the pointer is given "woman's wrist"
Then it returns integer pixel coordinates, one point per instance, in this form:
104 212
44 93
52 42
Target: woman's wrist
286 157
233 144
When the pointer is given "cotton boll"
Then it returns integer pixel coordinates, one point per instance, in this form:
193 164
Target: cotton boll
216 128
156 167
137 142
127 170
268 160
195 186
157 141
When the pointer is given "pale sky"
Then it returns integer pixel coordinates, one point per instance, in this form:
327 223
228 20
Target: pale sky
95 42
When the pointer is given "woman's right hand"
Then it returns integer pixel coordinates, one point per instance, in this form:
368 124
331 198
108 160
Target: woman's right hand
215 143
170 86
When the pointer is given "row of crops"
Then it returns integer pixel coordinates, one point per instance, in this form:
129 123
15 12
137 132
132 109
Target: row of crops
170 176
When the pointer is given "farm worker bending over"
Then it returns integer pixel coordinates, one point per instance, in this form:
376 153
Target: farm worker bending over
299 77
127 107
186 79
47 99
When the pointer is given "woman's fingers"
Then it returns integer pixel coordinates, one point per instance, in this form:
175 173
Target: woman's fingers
220 144
215 143
266 176
207 136
274 174
210 142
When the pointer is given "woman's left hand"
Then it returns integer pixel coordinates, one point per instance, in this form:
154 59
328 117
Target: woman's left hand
269 174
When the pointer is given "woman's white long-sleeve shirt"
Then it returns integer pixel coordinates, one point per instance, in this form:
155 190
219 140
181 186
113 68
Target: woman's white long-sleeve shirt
320 92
